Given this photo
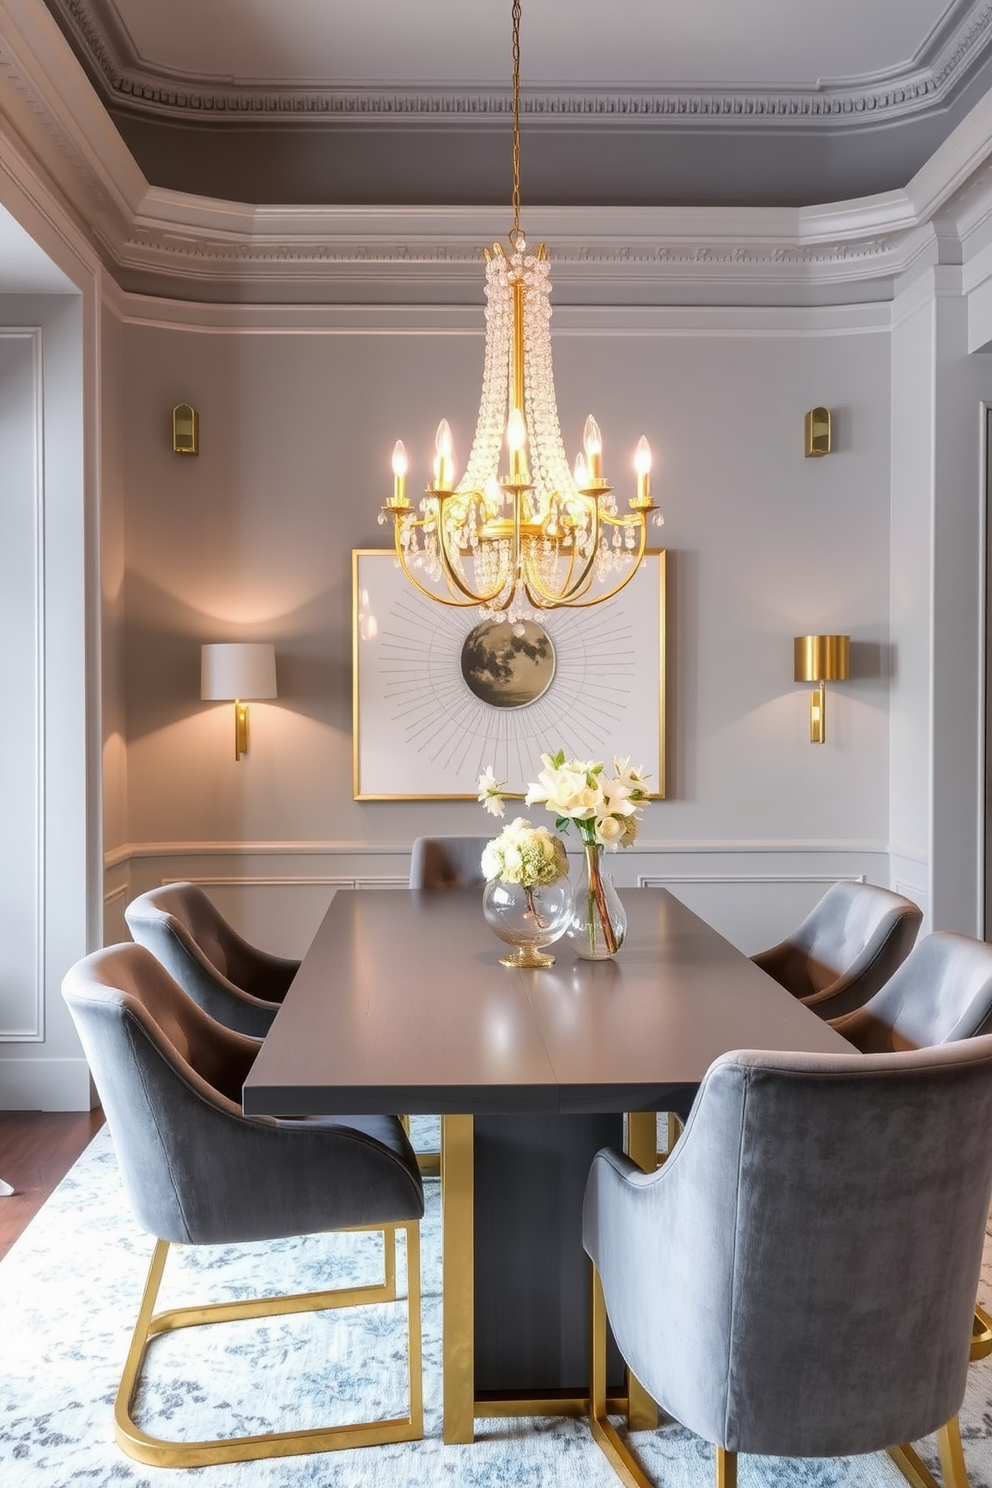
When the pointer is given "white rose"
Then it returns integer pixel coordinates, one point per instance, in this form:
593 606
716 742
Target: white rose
609 830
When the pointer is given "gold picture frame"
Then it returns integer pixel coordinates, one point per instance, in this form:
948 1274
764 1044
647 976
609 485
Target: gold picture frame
432 707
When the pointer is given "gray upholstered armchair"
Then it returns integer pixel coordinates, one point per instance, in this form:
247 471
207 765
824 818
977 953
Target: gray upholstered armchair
845 949
447 863
196 1170
799 1278
941 992
236 983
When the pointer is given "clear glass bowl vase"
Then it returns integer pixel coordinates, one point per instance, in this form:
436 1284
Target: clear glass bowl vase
527 918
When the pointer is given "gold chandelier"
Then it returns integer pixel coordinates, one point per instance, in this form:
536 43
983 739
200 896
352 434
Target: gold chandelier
541 535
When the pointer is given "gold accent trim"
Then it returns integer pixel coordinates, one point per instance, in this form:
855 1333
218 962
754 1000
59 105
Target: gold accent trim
952 1463
981 1335
624 1464
161 1453
458 1279
641 1145
576 1406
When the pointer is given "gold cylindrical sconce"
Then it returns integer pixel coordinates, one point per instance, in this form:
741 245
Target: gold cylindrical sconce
821 658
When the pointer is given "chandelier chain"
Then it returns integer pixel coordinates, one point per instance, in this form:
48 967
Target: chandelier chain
516 121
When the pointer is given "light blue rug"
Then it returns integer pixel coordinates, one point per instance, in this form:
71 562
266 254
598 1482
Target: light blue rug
69 1292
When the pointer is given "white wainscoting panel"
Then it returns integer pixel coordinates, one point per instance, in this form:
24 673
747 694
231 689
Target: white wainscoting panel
276 894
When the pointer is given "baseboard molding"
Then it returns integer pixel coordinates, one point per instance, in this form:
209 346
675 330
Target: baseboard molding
45 1085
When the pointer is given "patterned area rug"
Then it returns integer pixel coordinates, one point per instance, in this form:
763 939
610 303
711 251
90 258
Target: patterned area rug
69 1293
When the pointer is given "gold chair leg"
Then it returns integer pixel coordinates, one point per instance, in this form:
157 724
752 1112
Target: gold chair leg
726 1468
642 1146
149 1325
458 1277
952 1464
981 1335
616 1451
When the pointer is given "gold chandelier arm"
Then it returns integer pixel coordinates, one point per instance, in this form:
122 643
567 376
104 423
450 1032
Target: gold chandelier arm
462 604
451 575
635 563
569 591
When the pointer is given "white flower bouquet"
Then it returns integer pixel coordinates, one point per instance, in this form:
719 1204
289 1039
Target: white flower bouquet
606 809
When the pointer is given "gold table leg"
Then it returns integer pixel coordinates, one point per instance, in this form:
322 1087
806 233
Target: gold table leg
642 1147
458 1276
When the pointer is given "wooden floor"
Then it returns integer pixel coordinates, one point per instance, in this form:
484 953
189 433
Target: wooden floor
37 1149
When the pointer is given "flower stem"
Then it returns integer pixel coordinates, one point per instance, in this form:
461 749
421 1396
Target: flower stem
597 897
533 909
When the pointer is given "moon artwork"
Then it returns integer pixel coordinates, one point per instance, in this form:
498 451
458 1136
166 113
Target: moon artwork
508 665
441 692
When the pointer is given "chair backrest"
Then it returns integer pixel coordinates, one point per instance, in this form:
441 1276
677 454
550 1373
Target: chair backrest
813 1277
447 863
846 948
941 992
234 982
195 1168
169 1079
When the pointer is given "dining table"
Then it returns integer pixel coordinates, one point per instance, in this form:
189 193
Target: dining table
401 1005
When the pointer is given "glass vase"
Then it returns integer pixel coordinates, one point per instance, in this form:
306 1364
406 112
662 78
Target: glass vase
527 918
598 921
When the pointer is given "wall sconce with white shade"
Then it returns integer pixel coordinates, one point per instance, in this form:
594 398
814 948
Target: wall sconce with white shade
238 672
821 658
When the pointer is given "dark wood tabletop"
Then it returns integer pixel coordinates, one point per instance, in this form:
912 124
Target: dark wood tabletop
401 1005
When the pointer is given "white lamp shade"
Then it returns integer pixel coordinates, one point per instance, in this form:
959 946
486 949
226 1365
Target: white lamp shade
237 670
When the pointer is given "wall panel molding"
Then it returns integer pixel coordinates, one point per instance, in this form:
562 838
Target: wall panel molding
23 752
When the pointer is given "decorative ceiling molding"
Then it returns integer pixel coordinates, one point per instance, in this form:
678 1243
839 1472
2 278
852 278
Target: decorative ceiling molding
929 80
192 248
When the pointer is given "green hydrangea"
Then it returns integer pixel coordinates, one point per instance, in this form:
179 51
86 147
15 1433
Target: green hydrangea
525 854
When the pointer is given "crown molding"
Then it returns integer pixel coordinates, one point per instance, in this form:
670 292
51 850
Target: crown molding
188 248
927 81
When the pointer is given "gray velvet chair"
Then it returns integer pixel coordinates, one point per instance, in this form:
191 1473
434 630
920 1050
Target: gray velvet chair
799 1278
237 984
845 949
447 863
197 1171
941 992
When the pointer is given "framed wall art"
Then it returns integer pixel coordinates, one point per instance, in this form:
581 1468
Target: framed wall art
440 692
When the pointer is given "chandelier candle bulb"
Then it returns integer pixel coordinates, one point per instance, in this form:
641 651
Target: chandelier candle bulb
444 450
592 439
516 441
642 464
400 467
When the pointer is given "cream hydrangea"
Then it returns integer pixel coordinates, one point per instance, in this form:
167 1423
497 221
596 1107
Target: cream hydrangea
526 855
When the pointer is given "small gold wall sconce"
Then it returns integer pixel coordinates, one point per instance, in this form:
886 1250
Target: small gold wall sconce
235 672
817 432
821 658
185 430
